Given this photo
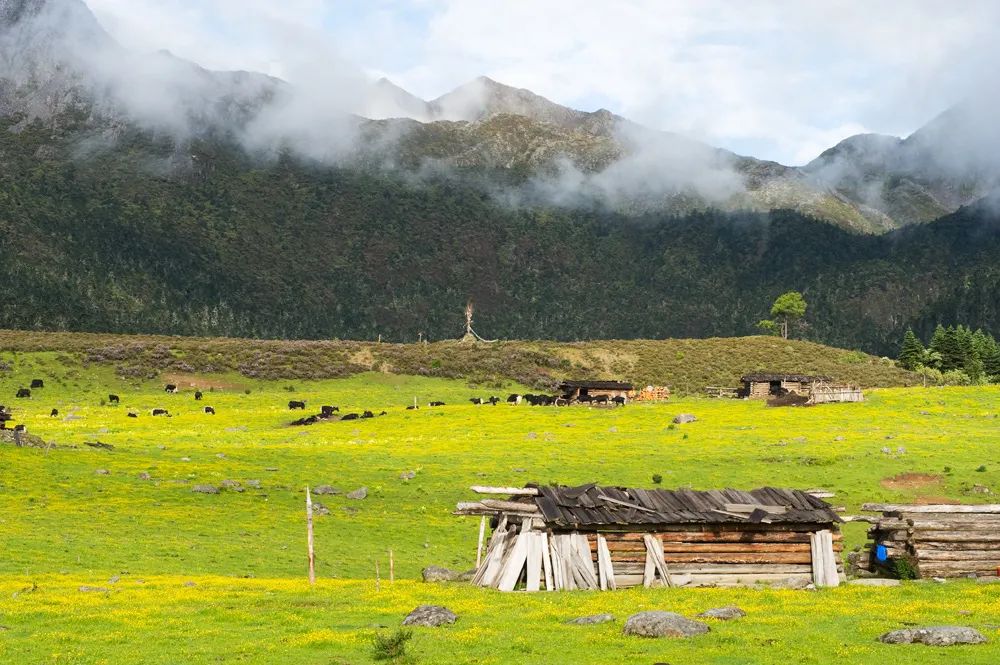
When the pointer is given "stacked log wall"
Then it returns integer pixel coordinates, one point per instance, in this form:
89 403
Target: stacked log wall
937 544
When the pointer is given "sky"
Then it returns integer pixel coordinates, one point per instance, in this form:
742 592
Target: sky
776 79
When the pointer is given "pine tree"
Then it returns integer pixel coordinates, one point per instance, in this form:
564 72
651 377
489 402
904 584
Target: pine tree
950 347
938 343
911 354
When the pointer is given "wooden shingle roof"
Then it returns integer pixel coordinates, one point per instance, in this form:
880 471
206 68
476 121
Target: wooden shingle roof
593 505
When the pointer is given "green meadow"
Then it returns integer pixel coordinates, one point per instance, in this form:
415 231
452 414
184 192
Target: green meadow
185 577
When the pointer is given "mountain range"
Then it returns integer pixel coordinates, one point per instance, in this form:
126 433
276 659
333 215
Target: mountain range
143 193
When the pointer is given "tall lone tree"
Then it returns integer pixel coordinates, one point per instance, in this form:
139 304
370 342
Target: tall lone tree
787 309
911 354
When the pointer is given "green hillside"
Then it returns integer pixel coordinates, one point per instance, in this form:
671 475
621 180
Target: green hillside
687 366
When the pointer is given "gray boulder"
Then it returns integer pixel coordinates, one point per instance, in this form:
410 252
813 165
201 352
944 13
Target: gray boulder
438 574
935 636
359 493
663 624
205 489
726 613
592 619
320 509
430 616
684 418
325 489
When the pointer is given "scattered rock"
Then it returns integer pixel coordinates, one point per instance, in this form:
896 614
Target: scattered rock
438 574
874 581
205 489
114 579
103 472
935 636
663 624
430 616
221 455
241 428
270 468
532 435
320 509
886 451
232 485
325 489
408 475
591 620
358 494
520 470
350 510
838 438
253 484
189 583
144 475
94 589
901 450
185 459
684 418
613 430
726 613
980 489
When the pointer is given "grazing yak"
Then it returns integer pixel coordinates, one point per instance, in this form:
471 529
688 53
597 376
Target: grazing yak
601 399
210 410
197 395
493 400
350 416
476 400
295 404
412 407
436 404
328 410
367 414
133 414
170 388
619 400
37 383
114 399
55 412
160 412
514 399
21 428
23 393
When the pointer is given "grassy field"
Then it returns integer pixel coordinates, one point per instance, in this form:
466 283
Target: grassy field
191 577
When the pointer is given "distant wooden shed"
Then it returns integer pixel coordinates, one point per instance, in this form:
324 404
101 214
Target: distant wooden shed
594 537
574 390
763 385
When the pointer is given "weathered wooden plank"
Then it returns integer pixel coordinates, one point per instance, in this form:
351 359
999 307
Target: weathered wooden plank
515 506
931 545
736 569
604 555
547 563
721 557
509 491
514 563
533 562
980 556
933 508
750 507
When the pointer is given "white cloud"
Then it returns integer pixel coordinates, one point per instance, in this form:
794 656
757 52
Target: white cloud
782 79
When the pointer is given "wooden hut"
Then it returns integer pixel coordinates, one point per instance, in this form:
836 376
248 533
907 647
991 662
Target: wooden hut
934 540
574 390
763 385
593 537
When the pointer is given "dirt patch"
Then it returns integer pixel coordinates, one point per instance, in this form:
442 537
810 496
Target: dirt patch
935 500
911 481
197 382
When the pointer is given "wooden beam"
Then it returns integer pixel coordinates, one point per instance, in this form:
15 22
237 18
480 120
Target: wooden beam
509 491
750 507
510 506
935 508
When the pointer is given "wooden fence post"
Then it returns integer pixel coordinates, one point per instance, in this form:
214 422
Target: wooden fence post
309 538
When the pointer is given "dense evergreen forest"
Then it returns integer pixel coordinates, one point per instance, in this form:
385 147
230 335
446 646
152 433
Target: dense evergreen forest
138 235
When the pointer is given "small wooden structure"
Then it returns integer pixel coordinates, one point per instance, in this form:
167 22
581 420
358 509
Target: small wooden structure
593 537
818 389
934 540
762 385
574 390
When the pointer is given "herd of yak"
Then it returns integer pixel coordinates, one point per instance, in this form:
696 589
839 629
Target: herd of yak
329 413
